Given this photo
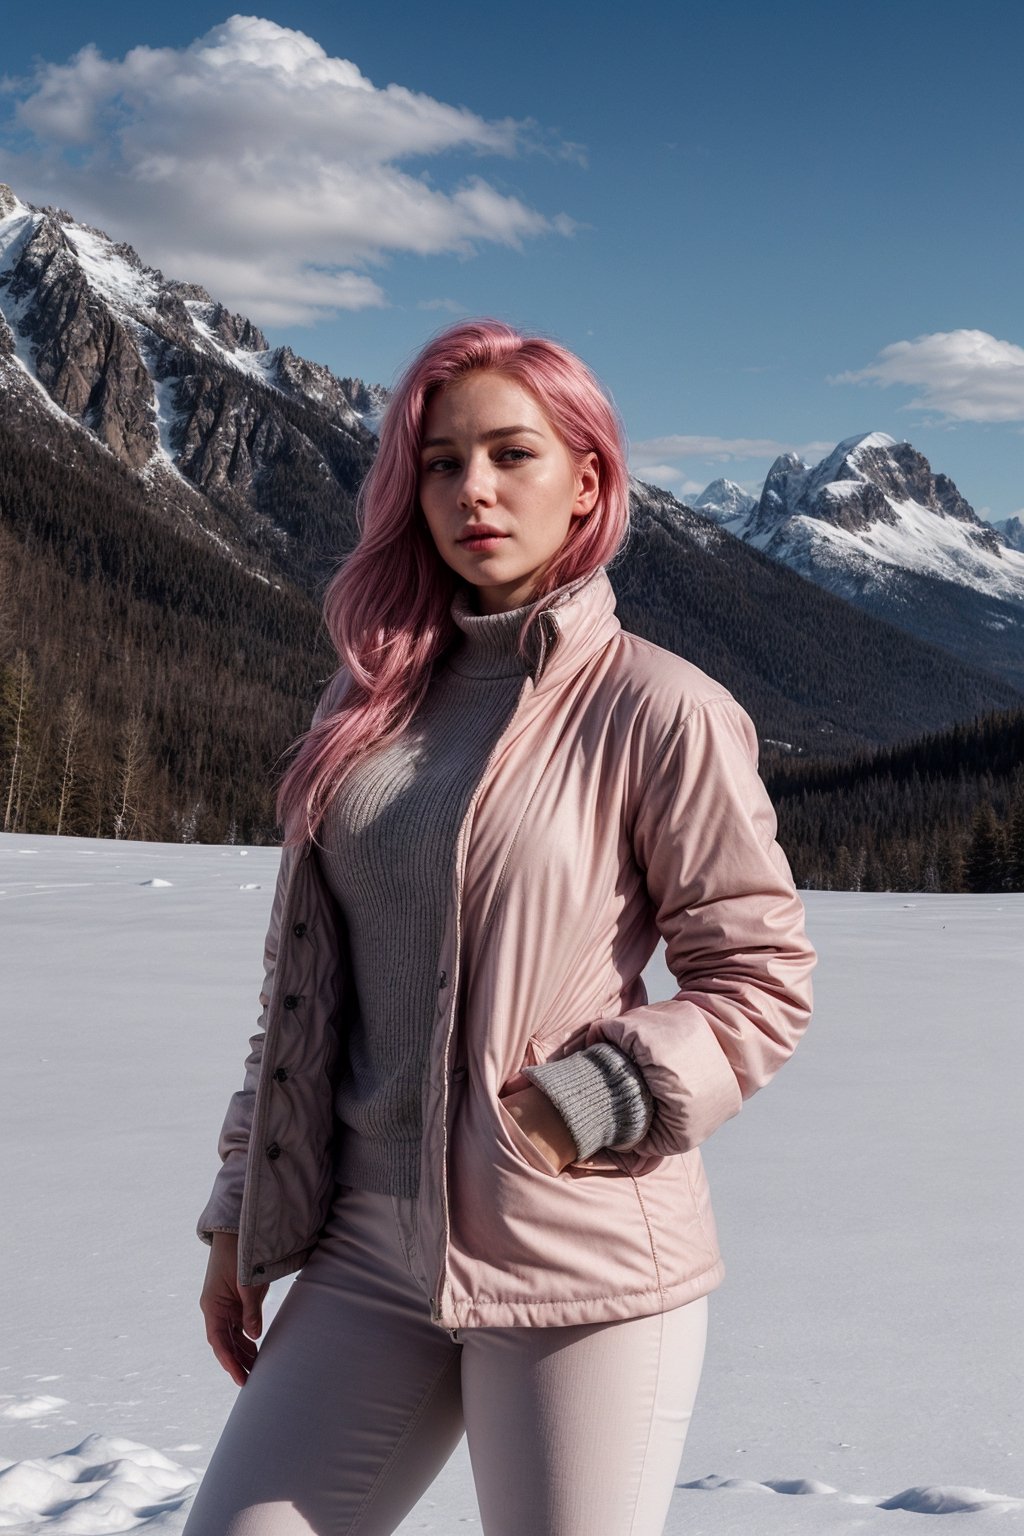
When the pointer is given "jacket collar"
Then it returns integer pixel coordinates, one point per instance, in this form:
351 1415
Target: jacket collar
579 623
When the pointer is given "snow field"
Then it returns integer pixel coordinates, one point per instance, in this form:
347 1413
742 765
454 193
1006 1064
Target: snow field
865 1360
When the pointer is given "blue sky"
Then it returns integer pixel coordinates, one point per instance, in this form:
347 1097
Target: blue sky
765 226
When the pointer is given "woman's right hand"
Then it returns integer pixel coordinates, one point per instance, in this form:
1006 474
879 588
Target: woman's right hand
233 1312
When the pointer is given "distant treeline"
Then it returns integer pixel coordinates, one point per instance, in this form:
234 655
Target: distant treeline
942 813
150 687
148 684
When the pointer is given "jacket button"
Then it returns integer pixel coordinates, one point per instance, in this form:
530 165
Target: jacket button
299 930
291 1001
273 1151
443 982
258 1269
280 1075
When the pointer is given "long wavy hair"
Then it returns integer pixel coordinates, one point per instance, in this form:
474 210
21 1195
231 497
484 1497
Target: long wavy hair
387 609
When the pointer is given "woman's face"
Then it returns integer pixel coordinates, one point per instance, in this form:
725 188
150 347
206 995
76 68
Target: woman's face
491 461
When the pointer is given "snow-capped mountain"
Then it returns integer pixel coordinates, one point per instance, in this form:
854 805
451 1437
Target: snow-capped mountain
872 523
806 660
128 399
725 501
187 396
875 502
1011 532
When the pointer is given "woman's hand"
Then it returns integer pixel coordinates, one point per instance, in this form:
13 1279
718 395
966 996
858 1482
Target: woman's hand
535 1114
233 1312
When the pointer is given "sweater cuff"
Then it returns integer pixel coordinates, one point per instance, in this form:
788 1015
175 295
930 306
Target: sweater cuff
600 1094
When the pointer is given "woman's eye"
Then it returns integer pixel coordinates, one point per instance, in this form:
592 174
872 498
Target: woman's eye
438 466
516 454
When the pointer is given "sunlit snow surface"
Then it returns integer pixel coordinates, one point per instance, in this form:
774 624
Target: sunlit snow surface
865 1361
919 541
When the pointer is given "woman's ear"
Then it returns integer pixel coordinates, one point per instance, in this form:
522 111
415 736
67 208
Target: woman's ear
588 485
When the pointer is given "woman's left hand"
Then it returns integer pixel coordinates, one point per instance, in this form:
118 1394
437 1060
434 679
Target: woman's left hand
535 1115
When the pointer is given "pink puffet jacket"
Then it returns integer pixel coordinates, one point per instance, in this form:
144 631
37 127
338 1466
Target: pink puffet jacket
621 802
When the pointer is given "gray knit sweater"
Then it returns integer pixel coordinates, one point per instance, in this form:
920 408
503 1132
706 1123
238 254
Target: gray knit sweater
388 844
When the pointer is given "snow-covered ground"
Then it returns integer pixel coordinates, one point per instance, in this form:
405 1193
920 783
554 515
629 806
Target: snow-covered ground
865 1364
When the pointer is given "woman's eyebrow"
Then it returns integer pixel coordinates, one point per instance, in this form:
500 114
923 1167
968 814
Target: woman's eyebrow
485 437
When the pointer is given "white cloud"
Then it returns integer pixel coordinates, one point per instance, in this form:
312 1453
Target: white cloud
659 474
686 465
719 449
963 375
722 450
253 162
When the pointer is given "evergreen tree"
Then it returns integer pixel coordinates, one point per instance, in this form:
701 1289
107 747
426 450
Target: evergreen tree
874 876
843 869
931 878
900 865
1015 842
859 870
985 863
951 862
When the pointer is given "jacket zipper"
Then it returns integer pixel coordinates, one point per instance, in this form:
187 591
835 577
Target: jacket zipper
443 1291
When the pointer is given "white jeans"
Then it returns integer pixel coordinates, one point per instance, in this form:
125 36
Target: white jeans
356 1401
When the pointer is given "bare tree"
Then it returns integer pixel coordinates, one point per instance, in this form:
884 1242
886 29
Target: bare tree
7 609
129 818
72 720
15 703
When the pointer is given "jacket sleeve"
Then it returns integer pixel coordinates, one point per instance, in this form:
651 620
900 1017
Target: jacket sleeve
600 1094
222 1212
725 903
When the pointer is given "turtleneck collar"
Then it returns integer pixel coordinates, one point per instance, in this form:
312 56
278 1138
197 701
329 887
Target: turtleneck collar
487 645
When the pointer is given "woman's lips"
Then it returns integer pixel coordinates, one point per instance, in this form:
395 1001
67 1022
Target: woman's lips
482 541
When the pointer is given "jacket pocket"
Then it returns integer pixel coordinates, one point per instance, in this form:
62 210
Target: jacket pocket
545 1048
523 1146
538 1050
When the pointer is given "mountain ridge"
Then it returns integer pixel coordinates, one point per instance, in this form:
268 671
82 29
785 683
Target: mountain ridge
874 524
181 391
174 495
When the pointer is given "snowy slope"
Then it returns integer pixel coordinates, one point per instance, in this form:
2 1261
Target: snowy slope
865 1354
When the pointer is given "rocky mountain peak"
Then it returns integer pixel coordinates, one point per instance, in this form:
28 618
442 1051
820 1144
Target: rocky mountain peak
873 522
9 201
863 482
724 500
184 392
1011 532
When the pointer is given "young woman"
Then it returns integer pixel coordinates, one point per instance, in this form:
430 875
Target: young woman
462 1121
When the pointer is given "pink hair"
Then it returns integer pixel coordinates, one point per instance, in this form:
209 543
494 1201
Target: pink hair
387 609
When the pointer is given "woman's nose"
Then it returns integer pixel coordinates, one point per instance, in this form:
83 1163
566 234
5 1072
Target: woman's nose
477 485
